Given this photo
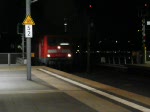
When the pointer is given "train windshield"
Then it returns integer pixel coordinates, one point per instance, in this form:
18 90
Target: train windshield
58 41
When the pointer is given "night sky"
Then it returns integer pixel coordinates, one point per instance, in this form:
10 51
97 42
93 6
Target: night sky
112 20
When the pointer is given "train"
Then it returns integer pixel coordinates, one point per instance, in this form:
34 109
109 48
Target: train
54 50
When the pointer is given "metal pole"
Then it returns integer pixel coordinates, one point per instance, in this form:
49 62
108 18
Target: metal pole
143 40
23 47
9 60
28 43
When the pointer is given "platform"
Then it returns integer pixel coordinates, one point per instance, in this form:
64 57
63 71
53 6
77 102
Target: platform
52 90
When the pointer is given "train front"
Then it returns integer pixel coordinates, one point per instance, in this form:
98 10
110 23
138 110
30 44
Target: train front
59 51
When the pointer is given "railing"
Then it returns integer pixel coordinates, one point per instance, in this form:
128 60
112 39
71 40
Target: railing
121 60
11 59
132 58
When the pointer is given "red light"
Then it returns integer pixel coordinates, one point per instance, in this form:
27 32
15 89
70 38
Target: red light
90 6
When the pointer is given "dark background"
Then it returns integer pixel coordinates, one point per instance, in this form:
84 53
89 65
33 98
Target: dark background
113 21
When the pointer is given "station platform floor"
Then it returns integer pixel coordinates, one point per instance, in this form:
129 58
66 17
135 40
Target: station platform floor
51 90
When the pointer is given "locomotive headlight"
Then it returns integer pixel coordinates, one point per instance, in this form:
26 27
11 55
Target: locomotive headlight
48 55
69 55
58 47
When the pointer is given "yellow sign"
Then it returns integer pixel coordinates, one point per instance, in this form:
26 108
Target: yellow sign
28 21
32 55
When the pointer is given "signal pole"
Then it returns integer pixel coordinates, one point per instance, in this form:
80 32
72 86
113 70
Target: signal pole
28 22
28 42
20 30
90 25
88 38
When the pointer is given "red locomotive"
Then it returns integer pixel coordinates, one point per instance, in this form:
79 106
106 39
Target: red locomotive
54 49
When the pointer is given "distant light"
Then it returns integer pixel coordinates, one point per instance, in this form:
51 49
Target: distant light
145 5
90 6
65 24
78 46
138 30
116 41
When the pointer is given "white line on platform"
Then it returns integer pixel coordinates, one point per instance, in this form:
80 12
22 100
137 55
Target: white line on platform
123 101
